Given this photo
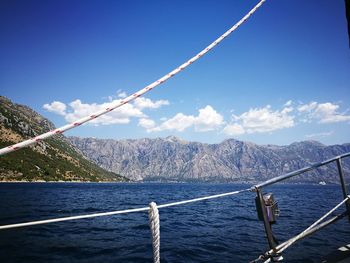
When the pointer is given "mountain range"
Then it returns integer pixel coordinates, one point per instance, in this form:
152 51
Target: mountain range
173 159
63 158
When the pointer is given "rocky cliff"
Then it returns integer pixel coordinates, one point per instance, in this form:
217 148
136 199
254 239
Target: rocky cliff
54 159
172 159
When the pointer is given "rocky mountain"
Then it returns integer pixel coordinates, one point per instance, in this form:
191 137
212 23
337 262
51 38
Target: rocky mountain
54 159
172 159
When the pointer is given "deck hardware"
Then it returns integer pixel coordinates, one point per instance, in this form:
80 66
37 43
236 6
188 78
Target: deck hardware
343 184
268 212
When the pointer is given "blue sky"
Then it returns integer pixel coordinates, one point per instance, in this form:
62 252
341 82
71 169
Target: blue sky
283 76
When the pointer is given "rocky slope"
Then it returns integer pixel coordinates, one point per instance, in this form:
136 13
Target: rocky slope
54 159
172 159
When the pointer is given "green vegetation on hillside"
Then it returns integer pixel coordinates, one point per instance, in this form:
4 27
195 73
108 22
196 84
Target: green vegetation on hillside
54 159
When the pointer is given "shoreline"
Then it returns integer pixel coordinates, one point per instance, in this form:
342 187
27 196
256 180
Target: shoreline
78 182
158 182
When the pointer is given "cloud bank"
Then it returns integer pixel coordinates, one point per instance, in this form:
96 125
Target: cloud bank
260 120
122 115
206 120
322 112
255 120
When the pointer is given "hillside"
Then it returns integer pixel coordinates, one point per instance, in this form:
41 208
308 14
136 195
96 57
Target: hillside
54 159
172 159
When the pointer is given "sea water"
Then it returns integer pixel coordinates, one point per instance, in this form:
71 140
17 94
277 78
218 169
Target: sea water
225 229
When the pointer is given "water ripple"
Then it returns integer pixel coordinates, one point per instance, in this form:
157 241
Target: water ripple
221 230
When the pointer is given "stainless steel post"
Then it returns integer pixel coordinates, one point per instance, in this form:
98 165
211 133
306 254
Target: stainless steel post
343 185
267 224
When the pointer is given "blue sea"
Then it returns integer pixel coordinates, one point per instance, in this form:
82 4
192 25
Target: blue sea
220 230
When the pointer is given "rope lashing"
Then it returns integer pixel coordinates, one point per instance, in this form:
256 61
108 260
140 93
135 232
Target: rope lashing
137 94
155 230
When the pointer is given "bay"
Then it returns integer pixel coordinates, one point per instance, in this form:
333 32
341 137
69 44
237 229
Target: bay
225 229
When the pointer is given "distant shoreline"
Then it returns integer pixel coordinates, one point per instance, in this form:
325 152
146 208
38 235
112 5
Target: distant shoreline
42 181
161 182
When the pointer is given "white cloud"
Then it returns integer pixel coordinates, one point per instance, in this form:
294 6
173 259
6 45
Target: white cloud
287 110
288 103
260 120
307 107
56 107
327 112
207 120
266 120
322 112
121 94
146 123
78 109
255 120
234 129
145 103
179 122
120 115
320 134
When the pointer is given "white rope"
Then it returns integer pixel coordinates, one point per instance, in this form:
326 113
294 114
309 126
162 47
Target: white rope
54 220
154 225
137 94
203 198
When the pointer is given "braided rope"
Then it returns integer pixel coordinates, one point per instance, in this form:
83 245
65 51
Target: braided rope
137 94
154 225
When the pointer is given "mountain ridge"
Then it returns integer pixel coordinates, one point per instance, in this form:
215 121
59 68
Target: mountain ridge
174 159
160 159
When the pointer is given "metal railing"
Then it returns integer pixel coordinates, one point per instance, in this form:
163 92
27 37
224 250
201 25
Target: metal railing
262 208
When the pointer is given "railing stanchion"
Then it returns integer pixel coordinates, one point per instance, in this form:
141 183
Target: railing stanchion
343 184
267 224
